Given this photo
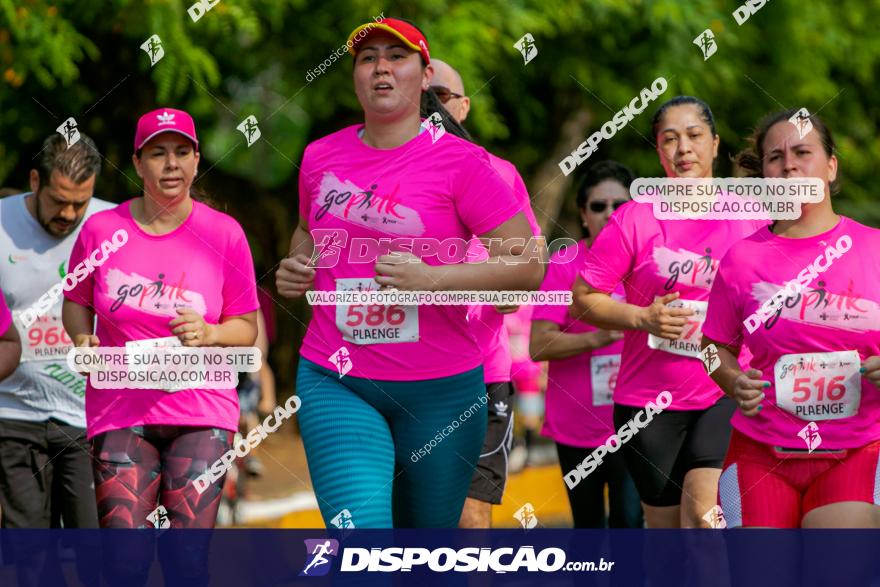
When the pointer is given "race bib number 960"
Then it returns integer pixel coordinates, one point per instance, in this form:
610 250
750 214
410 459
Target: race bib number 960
689 343
45 339
819 386
374 323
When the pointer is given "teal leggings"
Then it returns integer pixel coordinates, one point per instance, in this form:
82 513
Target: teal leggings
391 453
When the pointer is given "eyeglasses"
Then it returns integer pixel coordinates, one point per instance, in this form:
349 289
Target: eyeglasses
599 207
445 94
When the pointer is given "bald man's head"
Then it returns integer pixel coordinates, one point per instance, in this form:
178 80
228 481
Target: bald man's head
447 77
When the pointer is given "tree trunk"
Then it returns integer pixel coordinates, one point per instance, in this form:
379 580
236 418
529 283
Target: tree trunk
549 186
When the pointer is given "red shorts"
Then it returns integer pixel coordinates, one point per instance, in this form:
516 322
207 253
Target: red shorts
761 487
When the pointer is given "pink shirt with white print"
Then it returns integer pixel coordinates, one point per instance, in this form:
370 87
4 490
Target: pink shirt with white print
577 414
653 258
487 324
801 345
204 264
422 189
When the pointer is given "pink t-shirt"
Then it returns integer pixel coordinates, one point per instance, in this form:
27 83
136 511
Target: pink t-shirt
443 190
839 310
204 264
652 258
5 314
577 414
486 323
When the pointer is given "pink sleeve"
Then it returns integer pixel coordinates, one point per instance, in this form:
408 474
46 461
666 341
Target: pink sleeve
724 317
483 200
239 279
5 315
522 194
556 279
304 190
84 292
610 259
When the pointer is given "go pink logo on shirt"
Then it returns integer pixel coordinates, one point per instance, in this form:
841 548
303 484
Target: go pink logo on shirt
816 305
685 267
369 208
160 296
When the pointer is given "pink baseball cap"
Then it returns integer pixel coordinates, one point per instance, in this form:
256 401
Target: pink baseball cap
164 120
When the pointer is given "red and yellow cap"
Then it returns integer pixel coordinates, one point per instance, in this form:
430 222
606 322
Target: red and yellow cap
410 35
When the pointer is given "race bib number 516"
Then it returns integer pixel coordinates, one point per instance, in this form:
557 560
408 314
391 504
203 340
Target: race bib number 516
374 323
819 386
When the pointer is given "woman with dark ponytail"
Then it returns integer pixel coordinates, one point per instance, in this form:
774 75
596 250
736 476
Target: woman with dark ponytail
375 435
667 268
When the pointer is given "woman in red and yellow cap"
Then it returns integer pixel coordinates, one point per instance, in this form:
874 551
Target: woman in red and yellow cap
393 399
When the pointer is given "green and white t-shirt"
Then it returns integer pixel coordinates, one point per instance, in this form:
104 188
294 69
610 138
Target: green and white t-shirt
31 262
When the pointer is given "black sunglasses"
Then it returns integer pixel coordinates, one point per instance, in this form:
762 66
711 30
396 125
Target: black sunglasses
599 207
445 94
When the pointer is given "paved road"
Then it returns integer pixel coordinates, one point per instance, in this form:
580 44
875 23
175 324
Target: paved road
282 498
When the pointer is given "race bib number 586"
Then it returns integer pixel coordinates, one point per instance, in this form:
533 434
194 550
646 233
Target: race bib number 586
819 386
374 323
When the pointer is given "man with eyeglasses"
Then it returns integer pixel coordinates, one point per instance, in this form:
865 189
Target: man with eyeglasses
449 87
487 323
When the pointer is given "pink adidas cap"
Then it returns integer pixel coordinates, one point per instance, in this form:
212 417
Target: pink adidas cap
164 120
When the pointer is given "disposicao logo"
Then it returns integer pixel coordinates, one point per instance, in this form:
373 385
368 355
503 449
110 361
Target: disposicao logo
320 553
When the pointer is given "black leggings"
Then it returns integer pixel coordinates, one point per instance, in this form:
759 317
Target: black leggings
675 442
587 499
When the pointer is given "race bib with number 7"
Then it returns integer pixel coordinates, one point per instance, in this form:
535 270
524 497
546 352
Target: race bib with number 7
689 343
819 386
374 323
603 377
